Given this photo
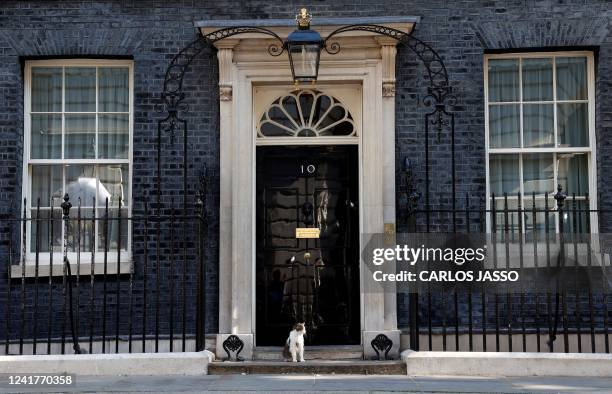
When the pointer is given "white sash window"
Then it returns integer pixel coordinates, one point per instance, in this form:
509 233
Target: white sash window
78 133
540 133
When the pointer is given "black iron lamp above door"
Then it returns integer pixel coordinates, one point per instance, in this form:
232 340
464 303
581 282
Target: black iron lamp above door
304 49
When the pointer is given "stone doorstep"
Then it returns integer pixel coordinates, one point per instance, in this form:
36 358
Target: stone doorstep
345 352
330 367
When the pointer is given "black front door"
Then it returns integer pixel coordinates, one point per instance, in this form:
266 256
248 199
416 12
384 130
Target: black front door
311 280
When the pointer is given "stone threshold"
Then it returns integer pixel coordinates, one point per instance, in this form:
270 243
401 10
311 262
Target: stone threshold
341 352
327 367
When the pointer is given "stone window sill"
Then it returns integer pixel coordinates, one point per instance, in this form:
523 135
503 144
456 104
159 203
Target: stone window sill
58 269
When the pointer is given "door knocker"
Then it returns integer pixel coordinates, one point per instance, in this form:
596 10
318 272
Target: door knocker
307 209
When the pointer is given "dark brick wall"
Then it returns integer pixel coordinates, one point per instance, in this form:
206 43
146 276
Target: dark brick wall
153 31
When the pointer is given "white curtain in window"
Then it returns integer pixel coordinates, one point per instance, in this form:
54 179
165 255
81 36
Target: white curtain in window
80 89
537 79
80 136
47 89
113 91
46 136
504 174
503 80
573 124
538 125
571 78
46 128
573 173
538 174
113 134
113 129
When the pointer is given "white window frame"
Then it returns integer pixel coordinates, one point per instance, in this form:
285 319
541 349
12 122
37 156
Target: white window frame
85 258
590 150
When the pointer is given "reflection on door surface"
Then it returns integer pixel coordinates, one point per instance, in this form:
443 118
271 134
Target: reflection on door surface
311 280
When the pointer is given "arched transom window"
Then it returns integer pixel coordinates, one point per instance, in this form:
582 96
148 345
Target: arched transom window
306 113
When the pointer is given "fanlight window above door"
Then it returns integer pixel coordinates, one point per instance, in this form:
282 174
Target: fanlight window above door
306 113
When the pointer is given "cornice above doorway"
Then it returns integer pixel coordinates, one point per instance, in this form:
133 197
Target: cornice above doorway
252 47
324 26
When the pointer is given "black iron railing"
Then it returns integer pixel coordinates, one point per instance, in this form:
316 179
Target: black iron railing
534 234
101 280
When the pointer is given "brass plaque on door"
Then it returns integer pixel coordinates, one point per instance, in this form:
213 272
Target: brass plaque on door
389 234
389 228
307 232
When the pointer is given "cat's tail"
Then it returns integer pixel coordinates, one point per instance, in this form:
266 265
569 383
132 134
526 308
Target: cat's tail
286 352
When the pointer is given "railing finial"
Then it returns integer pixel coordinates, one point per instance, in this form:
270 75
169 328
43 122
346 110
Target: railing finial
66 205
560 197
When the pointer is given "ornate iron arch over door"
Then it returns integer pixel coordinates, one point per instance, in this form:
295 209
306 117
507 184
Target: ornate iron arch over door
439 97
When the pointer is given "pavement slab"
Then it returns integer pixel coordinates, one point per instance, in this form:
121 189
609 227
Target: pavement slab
322 383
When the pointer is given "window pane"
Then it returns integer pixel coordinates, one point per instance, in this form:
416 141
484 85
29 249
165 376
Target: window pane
80 137
538 173
538 125
81 183
504 126
537 80
573 124
113 133
80 89
277 115
48 229
504 174
113 87
114 184
576 216
46 89
46 185
108 230
503 80
46 136
80 236
571 78
273 130
573 173
511 219
537 222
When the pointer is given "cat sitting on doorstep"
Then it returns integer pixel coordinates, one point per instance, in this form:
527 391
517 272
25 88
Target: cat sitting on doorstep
294 346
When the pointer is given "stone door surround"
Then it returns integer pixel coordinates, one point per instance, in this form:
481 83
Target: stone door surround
365 59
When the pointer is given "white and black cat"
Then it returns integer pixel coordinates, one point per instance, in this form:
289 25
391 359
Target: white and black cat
294 346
